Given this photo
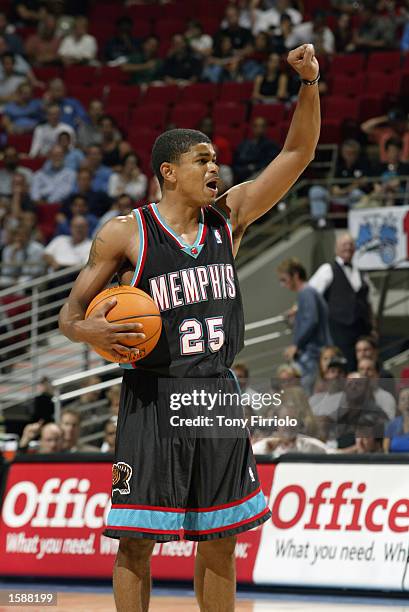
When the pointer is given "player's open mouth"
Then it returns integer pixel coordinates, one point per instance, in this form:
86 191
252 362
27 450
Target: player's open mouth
212 186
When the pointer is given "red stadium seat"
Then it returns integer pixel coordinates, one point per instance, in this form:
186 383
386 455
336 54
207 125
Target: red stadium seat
204 93
46 214
127 95
236 92
145 12
188 115
331 132
351 86
120 114
80 75
47 73
34 163
234 135
168 94
370 106
210 25
142 29
108 75
382 84
337 107
22 142
353 63
274 133
388 61
153 116
101 12
227 113
273 113
141 139
165 28
85 93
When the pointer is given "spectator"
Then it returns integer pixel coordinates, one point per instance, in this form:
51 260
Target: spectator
71 110
98 202
70 424
358 410
145 65
326 403
327 353
11 165
269 20
21 66
240 38
42 48
254 62
273 85
317 33
78 206
343 33
368 368
391 189
122 206
346 6
311 330
22 259
113 395
45 135
397 432
79 47
223 151
51 438
73 250
123 44
89 131
21 203
393 125
108 445
86 399
353 165
368 348
129 180
27 12
285 38
374 32
223 65
287 375
12 40
10 80
253 154
199 42
114 148
100 173
24 113
53 182
181 64
73 157
346 292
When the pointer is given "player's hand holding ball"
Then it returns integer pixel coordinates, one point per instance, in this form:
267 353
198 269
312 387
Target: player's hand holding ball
122 324
303 60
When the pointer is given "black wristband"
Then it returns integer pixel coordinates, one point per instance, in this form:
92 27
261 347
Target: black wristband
309 83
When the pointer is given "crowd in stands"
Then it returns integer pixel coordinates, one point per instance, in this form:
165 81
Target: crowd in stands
86 87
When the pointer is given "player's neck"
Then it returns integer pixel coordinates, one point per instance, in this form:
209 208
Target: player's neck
177 212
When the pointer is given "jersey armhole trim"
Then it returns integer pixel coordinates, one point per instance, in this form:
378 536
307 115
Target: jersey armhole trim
143 245
226 221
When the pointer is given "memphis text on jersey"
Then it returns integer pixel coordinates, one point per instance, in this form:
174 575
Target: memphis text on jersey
193 285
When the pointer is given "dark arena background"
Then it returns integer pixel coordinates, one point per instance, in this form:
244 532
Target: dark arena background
85 89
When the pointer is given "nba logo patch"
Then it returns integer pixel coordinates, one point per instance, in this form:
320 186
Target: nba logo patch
217 236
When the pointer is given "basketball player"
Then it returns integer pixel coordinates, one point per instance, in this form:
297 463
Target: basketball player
181 251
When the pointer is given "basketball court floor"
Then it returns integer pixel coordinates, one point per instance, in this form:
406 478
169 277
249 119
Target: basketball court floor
72 598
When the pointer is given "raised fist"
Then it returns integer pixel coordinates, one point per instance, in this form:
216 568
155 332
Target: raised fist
303 60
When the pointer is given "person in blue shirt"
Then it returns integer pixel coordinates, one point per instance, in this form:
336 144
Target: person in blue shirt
72 111
78 206
73 157
25 113
397 432
100 173
311 330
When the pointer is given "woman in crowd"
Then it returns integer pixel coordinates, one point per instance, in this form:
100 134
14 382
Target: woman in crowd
326 354
113 147
273 85
129 179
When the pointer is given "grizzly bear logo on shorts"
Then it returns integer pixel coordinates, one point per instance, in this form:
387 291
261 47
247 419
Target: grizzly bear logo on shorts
121 475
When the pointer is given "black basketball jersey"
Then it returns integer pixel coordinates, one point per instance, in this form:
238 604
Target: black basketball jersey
196 290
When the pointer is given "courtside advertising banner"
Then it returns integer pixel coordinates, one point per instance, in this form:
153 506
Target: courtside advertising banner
53 516
336 525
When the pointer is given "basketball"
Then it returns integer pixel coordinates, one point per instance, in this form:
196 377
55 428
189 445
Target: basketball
133 306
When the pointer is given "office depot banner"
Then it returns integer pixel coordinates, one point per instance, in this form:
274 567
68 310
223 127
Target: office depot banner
337 525
53 516
334 525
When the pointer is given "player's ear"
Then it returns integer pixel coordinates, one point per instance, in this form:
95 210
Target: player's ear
168 172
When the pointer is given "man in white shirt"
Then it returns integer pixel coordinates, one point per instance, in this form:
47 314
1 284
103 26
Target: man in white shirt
346 291
316 32
54 182
45 135
78 47
368 369
65 251
262 21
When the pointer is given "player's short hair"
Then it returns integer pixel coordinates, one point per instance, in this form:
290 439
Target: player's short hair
170 145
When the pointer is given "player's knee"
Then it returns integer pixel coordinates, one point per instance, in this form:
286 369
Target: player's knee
221 551
135 553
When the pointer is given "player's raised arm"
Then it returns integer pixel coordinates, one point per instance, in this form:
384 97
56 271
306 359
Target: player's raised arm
116 242
249 201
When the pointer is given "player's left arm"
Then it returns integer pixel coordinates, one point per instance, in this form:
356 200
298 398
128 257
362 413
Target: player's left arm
248 201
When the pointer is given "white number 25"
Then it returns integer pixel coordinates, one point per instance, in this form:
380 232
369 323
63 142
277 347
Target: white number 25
191 335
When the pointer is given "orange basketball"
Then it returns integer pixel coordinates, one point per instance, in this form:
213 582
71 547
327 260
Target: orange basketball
133 306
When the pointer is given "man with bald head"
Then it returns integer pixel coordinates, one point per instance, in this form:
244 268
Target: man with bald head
50 441
346 291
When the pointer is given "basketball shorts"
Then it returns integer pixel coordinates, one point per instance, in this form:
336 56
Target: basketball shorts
168 486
